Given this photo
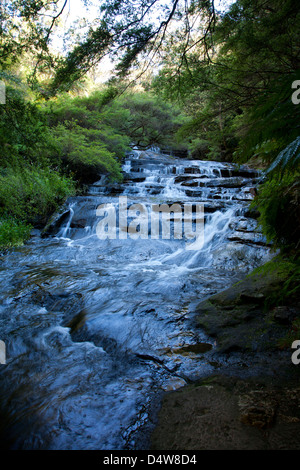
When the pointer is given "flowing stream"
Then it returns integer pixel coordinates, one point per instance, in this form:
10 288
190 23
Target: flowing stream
97 329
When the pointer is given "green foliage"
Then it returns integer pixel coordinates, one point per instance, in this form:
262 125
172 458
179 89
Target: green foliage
278 202
30 188
272 122
287 270
48 147
92 134
31 195
125 31
150 121
13 233
23 132
98 113
232 79
288 158
88 135
81 59
83 153
239 101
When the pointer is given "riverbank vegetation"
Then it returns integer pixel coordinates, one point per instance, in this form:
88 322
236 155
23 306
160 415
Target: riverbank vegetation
51 149
224 85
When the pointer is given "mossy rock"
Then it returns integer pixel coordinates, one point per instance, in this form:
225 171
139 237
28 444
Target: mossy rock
240 318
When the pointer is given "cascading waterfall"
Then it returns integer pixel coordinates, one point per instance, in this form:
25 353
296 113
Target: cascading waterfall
64 230
96 328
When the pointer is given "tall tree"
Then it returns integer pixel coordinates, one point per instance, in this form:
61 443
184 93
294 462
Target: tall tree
123 30
27 25
245 79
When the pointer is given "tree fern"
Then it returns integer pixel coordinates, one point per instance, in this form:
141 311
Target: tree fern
289 157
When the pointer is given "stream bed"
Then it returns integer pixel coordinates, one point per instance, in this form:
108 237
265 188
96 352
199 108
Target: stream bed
98 320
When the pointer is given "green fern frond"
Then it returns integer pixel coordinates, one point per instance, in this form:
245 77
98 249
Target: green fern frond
288 157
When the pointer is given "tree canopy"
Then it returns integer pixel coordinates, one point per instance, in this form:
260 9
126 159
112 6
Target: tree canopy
222 82
123 30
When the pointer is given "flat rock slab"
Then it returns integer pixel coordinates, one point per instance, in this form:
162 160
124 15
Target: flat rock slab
224 413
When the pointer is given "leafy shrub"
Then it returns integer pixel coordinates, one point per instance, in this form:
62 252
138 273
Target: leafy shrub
288 158
286 269
23 132
92 134
83 153
278 202
13 233
31 195
151 122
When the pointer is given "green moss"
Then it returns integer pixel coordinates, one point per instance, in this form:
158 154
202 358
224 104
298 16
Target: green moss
286 271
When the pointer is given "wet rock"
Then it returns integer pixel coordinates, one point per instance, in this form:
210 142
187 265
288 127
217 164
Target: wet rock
228 413
258 408
134 178
224 183
197 348
109 336
203 417
243 172
35 233
173 384
115 188
149 357
253 191
213 206
253 297
226 172
55 222
251 213
192 183
248 237
81 223
284 314
237 318
193 193
244 225
246 172
77 322
154 191
186 179
192 170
